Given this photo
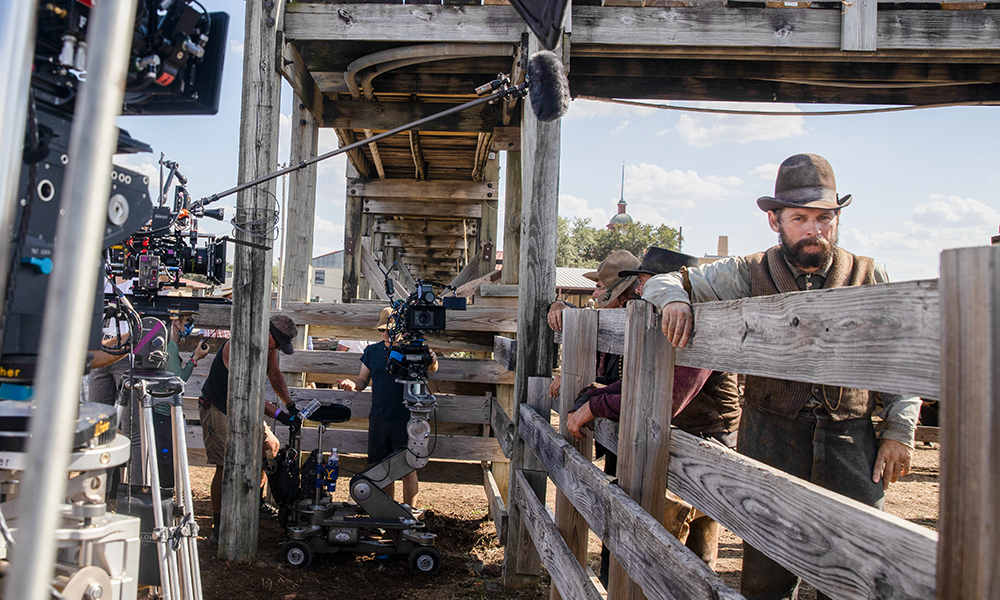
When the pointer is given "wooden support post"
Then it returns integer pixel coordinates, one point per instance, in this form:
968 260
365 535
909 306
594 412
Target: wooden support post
540 170
296 257
527 562
968 558
251 287
579 368
508 275
487 239
644 429
352 237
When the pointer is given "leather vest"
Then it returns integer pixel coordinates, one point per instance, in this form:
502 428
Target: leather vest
770 274
716 408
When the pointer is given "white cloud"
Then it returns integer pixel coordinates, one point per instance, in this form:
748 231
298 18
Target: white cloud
621 127
709 129
768 171
589 109
572 207
325 228
236 47
647 184
914 252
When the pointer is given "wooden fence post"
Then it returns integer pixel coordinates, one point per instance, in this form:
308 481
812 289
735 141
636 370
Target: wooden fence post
537 287
968 563
251 287
578 369
644 429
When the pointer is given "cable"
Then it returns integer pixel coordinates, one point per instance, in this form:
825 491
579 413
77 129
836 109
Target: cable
764 113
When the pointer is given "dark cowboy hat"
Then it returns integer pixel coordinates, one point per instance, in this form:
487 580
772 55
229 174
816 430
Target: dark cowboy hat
283 330
804 181
608 270
661 260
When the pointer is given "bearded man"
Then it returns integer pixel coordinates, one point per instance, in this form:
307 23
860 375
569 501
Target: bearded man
823 434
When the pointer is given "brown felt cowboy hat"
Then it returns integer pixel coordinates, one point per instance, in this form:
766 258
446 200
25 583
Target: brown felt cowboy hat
804 181
607 272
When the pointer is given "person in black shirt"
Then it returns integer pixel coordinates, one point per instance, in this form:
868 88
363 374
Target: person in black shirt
388 417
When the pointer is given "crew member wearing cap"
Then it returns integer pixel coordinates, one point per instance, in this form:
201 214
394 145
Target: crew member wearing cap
388 417
214 399
819 433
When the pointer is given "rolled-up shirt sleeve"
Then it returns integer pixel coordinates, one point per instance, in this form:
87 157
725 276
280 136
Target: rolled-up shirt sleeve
899 418
726 279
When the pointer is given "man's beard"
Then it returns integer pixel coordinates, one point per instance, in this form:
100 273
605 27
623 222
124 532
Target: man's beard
808 253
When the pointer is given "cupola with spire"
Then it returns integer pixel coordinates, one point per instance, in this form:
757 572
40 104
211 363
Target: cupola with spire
622 218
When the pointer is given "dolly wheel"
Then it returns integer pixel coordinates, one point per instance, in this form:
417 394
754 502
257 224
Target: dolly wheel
425 559
297 554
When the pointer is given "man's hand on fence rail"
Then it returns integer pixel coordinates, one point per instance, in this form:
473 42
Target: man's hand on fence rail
892 462
554 386
678 322
578 419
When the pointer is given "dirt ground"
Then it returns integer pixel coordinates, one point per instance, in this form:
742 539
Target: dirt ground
471 559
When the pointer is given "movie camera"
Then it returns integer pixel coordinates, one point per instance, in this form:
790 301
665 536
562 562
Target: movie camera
411 318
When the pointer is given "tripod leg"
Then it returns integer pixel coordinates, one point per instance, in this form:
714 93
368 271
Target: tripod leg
167 557
182 488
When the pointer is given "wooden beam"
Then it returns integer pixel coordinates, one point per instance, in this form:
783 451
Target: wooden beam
357 158
507 139
347 363
883 337
370 270
568 576
446 447
579 369
498 512
502 290
395 189
526 561
486 239
424 226
969 553
475 341
503 428
251 287
426 242
505 352
294 70
384 22
451 408
347 114
376 158
647 392
473 319
455 210
654 558
419 162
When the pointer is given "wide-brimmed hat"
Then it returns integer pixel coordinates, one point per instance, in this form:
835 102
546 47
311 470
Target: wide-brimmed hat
661 260
607 273
591 275
383 319
283 330
804 181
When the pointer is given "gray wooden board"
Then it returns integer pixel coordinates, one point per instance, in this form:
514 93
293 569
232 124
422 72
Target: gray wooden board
450 409
568 576
884 337
444 447
851 551
403 22
498 512
505 352
503 428
366 316
439 189
656 560
349 363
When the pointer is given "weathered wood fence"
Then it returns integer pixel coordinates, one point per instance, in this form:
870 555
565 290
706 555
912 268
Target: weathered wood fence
928 338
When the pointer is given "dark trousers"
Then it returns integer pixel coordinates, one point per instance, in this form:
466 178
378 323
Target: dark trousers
836 455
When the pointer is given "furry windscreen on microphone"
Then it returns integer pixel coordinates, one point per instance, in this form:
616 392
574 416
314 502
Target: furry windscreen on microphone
548 88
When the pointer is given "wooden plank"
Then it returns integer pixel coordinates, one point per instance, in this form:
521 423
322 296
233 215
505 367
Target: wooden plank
486 240
882 337
498 290
450 340
927 434
505 352
382 22
647 392
654 558
507 139
854 551
350 115
366 315
450 409
498 512
371 270
394 189
419 162
969 553
450 369
352 243
422 227
294 70
455 210
504 303
418 242
858 26
578 370
527 559
568 576
503 428
214 316
259 118
296 257
443 447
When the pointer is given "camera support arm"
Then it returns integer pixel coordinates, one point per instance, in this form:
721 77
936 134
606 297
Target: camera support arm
504 91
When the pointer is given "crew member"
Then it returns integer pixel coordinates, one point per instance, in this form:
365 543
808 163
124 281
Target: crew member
819 433
388 417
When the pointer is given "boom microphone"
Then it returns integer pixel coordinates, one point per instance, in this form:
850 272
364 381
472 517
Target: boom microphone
548 88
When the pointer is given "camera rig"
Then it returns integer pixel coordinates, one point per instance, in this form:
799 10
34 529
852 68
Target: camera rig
412 317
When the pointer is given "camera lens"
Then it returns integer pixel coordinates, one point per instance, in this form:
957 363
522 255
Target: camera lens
423 318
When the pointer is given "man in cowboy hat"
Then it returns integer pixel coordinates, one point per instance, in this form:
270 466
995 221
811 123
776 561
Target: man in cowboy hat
820 433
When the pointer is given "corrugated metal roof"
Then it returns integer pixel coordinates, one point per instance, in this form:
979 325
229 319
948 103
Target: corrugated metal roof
572 278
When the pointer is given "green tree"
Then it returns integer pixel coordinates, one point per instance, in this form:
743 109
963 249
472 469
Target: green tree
581 245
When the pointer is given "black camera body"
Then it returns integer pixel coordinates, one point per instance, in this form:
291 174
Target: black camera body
411 318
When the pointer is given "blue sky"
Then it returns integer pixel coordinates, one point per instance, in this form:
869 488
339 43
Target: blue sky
922 181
